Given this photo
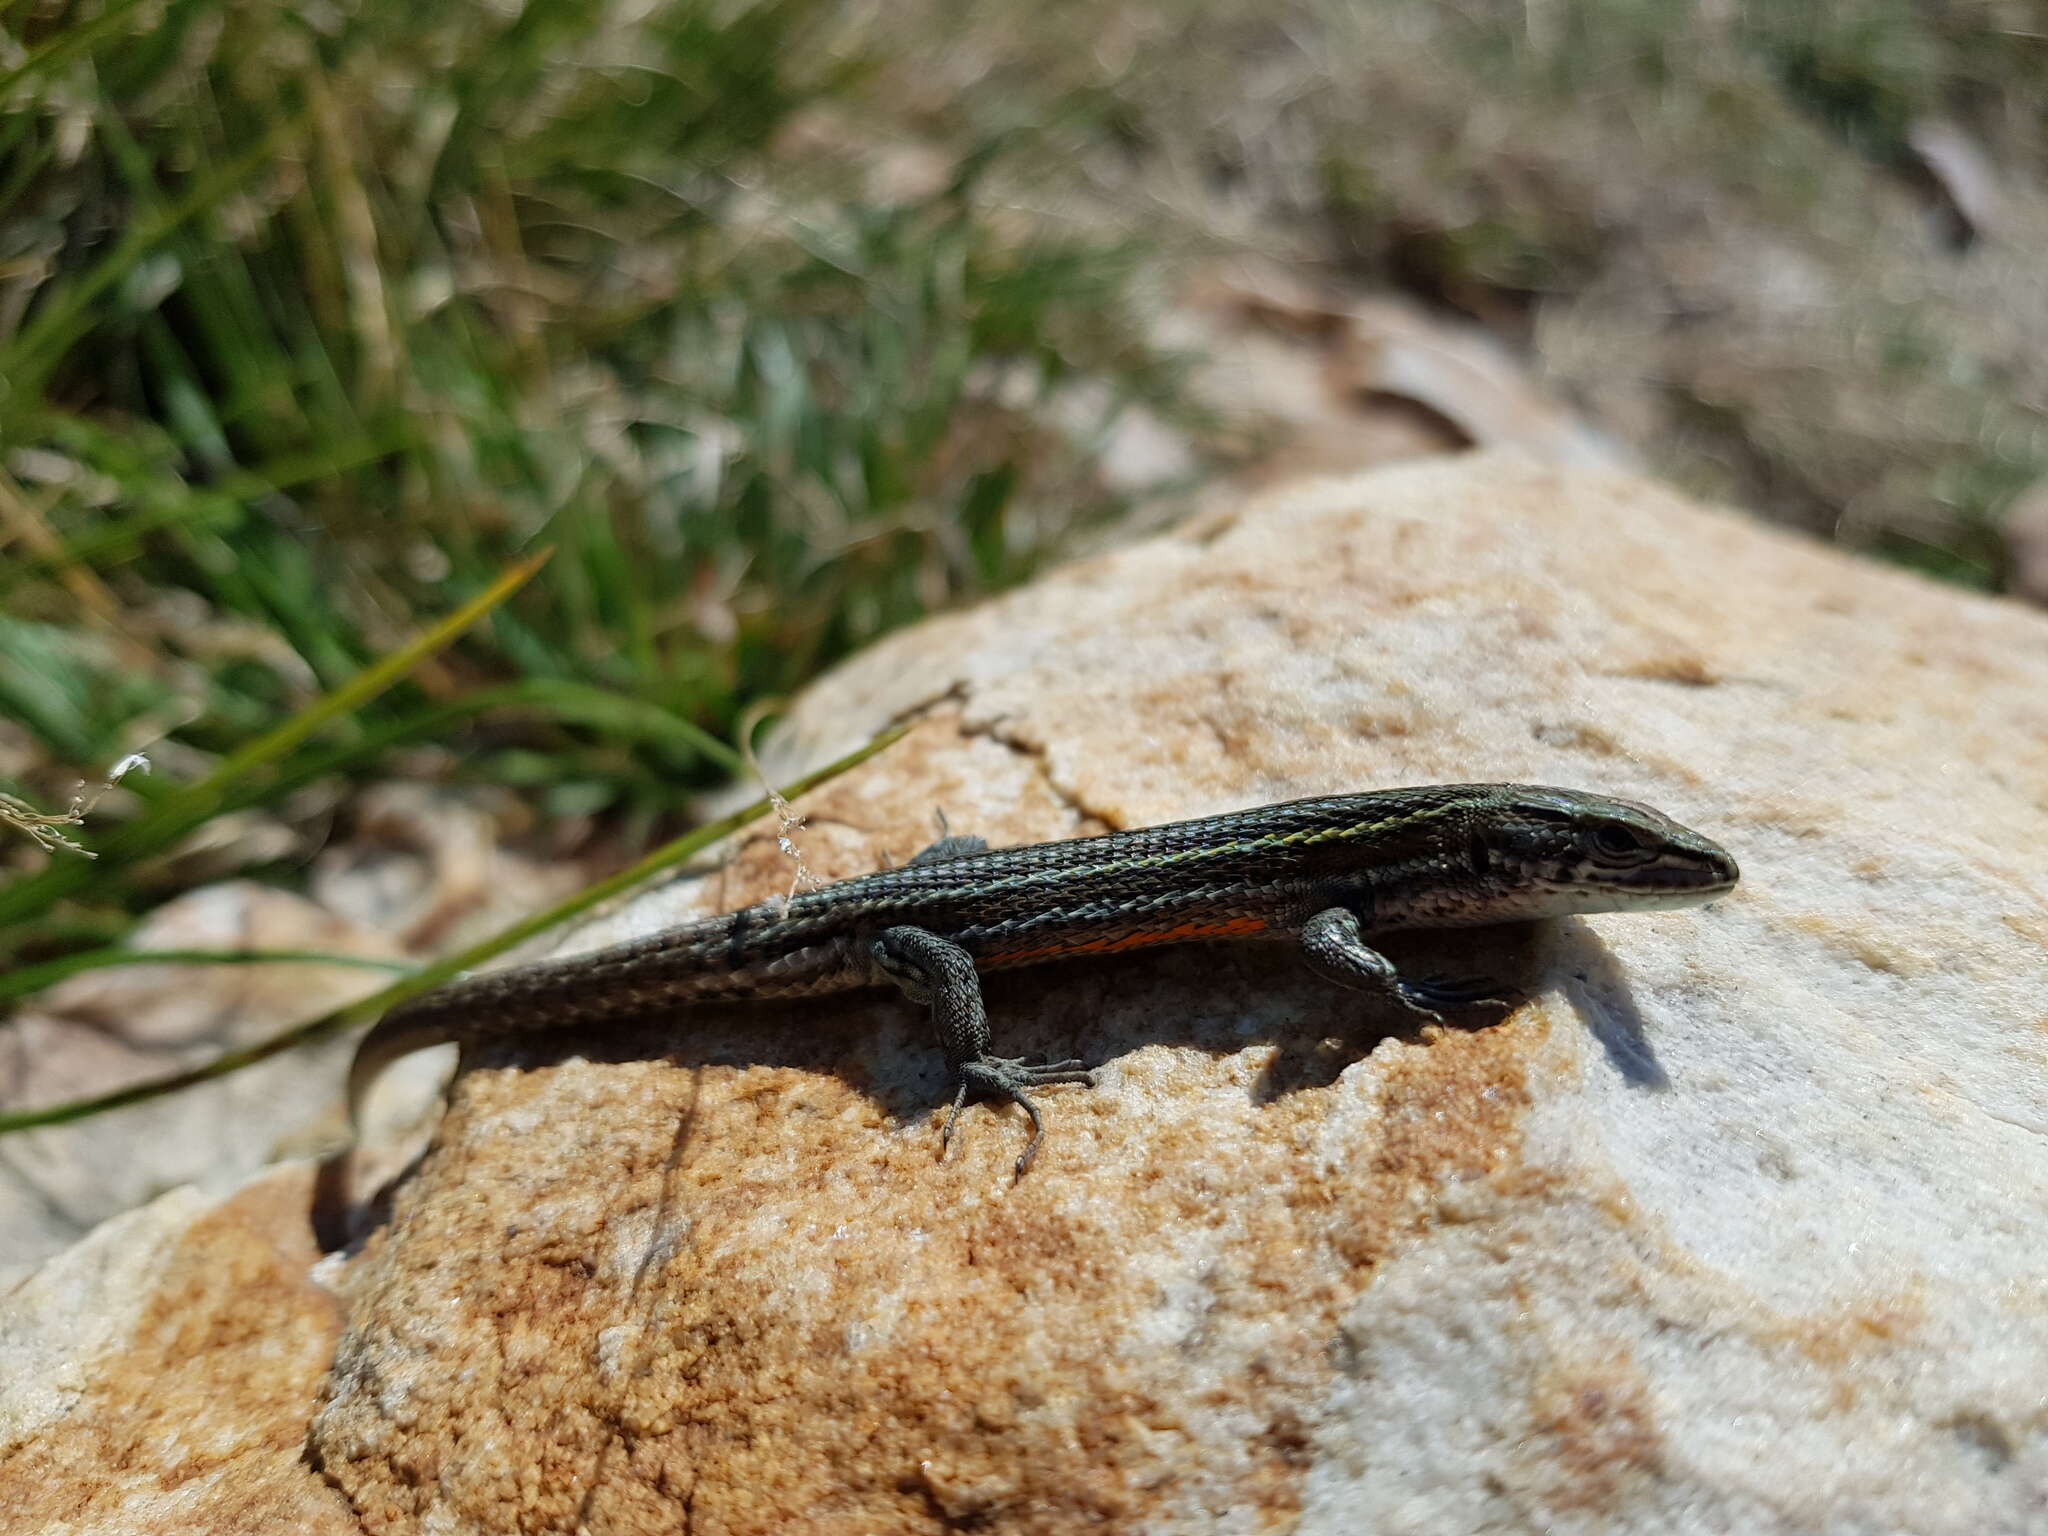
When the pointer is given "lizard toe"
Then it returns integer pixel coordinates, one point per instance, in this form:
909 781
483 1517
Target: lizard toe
1006 1078
1458 992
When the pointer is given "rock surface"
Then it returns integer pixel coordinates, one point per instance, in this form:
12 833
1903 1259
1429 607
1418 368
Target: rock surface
158 1375
1734 1226
1728 1229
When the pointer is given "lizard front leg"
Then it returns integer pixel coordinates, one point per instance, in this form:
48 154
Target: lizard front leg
1335 949
941 975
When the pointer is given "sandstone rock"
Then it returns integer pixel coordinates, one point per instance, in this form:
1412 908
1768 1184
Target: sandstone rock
1734 1226
158 1375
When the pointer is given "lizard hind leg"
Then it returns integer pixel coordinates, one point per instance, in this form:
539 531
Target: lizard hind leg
941 975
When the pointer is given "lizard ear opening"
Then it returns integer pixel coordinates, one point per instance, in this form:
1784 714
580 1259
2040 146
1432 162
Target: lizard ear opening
1478 855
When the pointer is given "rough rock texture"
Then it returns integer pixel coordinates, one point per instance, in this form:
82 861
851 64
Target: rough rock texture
1734 1227
158 1375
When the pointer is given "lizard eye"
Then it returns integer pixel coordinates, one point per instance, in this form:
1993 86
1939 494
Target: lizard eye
1618 842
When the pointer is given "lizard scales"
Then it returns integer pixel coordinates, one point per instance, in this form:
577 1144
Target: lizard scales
1323 872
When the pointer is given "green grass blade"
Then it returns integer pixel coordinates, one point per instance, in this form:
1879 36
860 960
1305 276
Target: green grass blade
61 319
66 46
364 686
178 813
342 1019
557 700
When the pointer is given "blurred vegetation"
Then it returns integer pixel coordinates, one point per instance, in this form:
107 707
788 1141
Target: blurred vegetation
313 319
785 321
1789 253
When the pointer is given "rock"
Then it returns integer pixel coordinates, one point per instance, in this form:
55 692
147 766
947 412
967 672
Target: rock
1733 1227
104 1029
1333 382
159 1374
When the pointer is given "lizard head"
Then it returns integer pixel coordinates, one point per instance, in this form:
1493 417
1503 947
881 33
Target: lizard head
1568 852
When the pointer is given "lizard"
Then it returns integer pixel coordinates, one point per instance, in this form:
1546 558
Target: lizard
1325 874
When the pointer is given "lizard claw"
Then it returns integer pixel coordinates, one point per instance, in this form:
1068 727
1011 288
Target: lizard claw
1433 993
1006 1077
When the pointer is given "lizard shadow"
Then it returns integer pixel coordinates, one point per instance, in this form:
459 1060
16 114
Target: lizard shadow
1219 999
1215 998
341 1216
1562 958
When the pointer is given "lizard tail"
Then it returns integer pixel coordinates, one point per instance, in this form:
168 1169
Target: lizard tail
337 1219
405 1029
542 996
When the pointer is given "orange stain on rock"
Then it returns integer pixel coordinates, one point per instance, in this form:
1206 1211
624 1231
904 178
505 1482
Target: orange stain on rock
199 1423
795 1319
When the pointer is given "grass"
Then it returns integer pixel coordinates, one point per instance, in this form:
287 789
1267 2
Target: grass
315 323
354 1015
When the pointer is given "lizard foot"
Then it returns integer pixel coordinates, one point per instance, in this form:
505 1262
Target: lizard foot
1005 1077
1434 993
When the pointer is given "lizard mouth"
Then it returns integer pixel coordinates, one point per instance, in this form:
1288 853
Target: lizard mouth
1716 871
1686 868
1678 882
1682 884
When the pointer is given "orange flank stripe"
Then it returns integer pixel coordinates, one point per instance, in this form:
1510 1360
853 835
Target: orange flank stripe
1223 928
